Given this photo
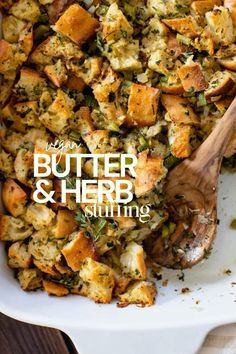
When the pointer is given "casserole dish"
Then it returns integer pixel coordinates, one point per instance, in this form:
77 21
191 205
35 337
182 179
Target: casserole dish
176 324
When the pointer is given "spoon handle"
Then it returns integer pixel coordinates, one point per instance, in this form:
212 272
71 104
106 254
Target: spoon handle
214 147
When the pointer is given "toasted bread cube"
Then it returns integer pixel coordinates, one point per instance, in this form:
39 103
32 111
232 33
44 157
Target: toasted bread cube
65 224
124 55
179 140
109 83
7 58
30 85
173 84
30 279
231 147
186 26
150 170
100 279
23 166
27 113
115 25
55 9
132 261
13 229
26 10
76 24
229 63
54 288
6 85
163 8
14 197
220 25
141 293
231 5
11 28
125 223
174 47
45 251
192 77
78 249
202 6
83 122
56 73
179 109
220 84
121 283
142 106
159 61
89 70
39 215
205 42
58 114
6 163
19 256
97 140
75 82
223 104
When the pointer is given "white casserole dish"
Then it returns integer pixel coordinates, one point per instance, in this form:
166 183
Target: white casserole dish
175 325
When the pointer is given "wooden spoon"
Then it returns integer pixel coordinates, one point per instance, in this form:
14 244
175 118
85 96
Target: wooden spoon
191 196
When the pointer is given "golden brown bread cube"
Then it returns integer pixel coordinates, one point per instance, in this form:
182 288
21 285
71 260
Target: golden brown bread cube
192 77
11 28
30 279
179 140
77 249
231 5
65 223
39 215
19 256
142 106
83 122
186 26
30 85
228 63
220 84
150 170
202 6
13 229
140 293
179 109
173 85
77 24
56 73
132 261
97 141
55 288
14 197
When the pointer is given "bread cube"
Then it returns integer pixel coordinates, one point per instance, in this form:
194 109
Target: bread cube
108 83
13 229
14 197
83 122
39 215
7 59
11 28
179 109
142 106
221 83
65 223
6 163
76 24
186 26
54 288
30 85
150 170
173 84
56 73
140 293
30 279
26 10
159 61
231 5
23 166
78 249
115 25
19 256
132 261
27 113
179 140
192 77
220 25
100 280
228 63
202 6
97 141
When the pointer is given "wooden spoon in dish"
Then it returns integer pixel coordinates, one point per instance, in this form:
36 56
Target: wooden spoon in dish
191 197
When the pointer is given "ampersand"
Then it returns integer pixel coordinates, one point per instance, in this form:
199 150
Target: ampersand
39 190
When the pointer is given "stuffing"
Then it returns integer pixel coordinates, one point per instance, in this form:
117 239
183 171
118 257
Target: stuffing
55 9
109 83
45 251
186 26
27 10
23 166
30 279
161 8
180 140
14 197
121 283
192 77
220 25
82 121
56 73
140 293
65 223
19 256
55 288
223 104
160 61
5 87
115 25
175 48
76 24
88 71
113 112
231 5
6 163
142 106
179 109
97 141
172 85
13 229
58 114
124 55
75 82
132 261
11 28
202 6
221 83
205 42
30 85
79 247
150 170
100 279
39 215
228 63
125 223
27 113
7 57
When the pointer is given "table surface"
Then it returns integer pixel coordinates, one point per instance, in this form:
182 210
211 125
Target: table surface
21 338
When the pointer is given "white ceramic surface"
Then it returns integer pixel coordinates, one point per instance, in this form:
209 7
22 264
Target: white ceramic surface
175 325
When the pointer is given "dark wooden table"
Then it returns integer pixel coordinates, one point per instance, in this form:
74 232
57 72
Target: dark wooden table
21 338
